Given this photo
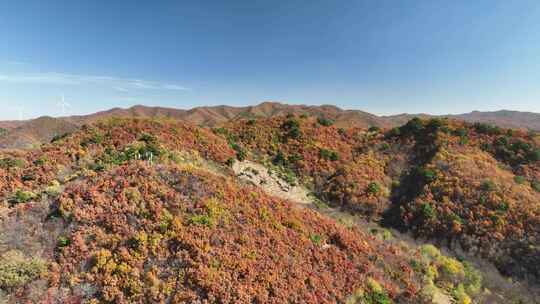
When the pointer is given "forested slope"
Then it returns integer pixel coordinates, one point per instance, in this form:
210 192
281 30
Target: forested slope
148 211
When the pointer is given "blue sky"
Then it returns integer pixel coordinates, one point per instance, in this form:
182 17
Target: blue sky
384 57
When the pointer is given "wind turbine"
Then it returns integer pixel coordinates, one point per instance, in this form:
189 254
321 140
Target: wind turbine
64 105
20 111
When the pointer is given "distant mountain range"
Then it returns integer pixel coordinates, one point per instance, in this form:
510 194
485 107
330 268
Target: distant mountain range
23 134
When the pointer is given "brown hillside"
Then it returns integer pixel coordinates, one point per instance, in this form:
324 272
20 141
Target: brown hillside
35 131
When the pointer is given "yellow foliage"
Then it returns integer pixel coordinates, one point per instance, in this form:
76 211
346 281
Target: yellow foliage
374 285
101 258
461 296
430 251
17 270
451 267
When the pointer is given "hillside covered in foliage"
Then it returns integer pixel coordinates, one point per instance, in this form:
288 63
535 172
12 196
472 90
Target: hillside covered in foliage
147 211
472 186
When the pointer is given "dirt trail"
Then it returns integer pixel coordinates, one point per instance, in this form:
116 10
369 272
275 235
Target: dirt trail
272 184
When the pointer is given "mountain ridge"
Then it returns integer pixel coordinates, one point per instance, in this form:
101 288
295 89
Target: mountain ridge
22 134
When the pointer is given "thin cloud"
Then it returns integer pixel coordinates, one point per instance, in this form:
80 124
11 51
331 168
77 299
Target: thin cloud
16 62
116 83
120 89
125 98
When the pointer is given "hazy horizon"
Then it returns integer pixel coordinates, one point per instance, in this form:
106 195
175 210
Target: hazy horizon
381 57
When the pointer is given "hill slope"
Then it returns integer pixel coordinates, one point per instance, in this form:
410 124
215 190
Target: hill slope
468 186
34 132
128 212
143 211
25 134
504 118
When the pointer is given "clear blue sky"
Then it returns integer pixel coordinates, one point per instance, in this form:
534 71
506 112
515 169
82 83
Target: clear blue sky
380 56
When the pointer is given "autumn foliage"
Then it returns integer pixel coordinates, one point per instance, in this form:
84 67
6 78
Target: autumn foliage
147 211
446 180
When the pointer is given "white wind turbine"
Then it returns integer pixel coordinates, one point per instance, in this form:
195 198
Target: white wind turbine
20 111
64 105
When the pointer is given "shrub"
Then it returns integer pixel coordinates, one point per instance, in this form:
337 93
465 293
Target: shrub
143 150
461 296
503 206
63 242
461 132
485 146
294 158
427 210
279 159
220 131
412 127
534 155
98 167
94 138
427 175
40 161
101 258
147 151
516 152
9 162
292 128
240 152
394 132
536 185
328 154
430 251
165 221
21 196
148 138
473 279
27 177
16 270
520 145
325 121
374 129
202 219
450 267
519 179
383 233
376 294
59 137
488 186
214 213
373 188
485 128
384 146
53 189
288 176
316 239
435 124
230 162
